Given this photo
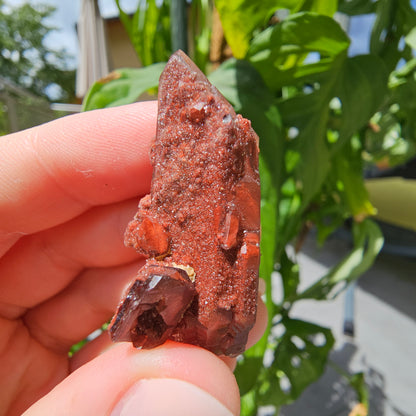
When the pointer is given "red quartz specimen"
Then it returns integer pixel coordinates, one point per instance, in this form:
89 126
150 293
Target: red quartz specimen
200 225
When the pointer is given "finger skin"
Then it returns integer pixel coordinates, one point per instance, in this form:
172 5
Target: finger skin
52 173
41 265
91 299
96 388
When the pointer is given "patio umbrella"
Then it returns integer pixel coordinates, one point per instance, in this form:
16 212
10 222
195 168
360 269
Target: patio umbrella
93 56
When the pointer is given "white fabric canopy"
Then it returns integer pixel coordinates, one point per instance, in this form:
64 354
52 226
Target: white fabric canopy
93 55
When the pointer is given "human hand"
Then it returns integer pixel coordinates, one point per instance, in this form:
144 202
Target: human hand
67 190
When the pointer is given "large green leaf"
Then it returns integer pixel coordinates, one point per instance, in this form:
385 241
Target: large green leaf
368 241
123 86
356 7
279 52
201 28
357 85
240 18
343 194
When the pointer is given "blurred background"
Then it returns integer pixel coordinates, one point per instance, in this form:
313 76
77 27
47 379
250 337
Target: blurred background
53 51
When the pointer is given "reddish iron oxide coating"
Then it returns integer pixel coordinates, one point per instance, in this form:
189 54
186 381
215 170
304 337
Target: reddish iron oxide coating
202 216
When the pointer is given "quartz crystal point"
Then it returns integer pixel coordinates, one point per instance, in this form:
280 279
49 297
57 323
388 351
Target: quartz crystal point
200 225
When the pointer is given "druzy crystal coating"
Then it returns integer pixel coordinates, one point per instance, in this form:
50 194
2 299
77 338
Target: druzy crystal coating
200 224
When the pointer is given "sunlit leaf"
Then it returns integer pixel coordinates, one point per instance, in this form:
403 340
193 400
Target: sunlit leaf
279 52
240 18
410 38
327 8
123 86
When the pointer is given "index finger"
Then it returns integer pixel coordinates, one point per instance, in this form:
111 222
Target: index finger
53 172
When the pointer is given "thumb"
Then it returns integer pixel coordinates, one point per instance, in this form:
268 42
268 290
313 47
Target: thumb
174 379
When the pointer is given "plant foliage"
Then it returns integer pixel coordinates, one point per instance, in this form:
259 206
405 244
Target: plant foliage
322 117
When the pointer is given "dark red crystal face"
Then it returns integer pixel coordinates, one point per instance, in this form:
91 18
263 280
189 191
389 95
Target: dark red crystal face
200 225
153 306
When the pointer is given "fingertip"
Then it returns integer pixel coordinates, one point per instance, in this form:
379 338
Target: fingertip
168 396
98 386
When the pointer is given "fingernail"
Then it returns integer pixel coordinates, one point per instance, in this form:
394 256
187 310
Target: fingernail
164 396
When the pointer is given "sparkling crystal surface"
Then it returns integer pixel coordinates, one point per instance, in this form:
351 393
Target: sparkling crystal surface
203 213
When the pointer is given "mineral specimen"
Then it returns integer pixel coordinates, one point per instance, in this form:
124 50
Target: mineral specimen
200 225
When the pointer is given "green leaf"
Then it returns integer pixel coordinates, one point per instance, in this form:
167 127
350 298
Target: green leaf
358 84
154 35
201 28
361 88
249 404
402 74
384 18
328 7
308 114
368 241
410 38
349 172
299 359
123 86
240 18
279 52
394 21
356 381
125 19
289 270
149 30
356 7
247 371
